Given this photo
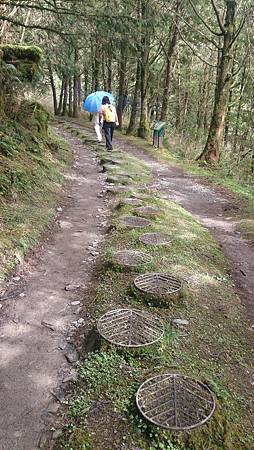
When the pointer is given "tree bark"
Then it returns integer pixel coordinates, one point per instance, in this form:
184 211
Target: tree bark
109 74
70 108
239 109
134 106
60 104
174 35
96 67
65 96
53 87
79 94
211 152
122 83
75 85
143 129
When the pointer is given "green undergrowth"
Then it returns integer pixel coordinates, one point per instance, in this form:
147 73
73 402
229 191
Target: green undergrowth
31 173
213 347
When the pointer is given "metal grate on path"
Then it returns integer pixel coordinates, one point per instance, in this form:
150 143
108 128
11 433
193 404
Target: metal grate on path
155 239
130 328
148 211
175 402
134 222
159 284
118 189
132 258
132 201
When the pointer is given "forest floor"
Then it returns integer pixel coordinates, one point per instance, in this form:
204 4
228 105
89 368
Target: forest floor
50 309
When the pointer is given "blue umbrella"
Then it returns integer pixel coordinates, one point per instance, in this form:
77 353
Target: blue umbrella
92 103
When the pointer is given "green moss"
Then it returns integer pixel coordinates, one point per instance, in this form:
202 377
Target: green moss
30 176
25 58
22 52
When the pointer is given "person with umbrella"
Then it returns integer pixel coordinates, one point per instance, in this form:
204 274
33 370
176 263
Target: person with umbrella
92 104
110 120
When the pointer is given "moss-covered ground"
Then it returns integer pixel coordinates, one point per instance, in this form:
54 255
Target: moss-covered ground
32 162
214 347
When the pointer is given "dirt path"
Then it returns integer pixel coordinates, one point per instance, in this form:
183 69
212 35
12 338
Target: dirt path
215 209
39 315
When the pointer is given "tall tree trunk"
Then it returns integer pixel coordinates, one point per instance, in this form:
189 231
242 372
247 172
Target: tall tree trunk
134 106
96 69
143 129
206 100
86 81
174 34
60 104
211 152
239 109
70 108
75 85
65 96
109 74
53 87
201 101
79 94
103 72
122 83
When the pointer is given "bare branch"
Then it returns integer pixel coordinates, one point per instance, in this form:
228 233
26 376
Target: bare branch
202 20
201 33
196 53
218 17
33 26
238 31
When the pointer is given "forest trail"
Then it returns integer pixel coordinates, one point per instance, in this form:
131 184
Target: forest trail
40 315
213 206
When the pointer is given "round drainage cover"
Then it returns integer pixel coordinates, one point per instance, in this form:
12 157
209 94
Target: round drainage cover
133 201
175 402
130 328
134 222
117 189
155 239
148 210
132 258
159 284
117 179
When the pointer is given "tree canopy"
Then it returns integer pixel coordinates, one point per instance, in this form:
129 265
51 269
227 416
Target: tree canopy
187 63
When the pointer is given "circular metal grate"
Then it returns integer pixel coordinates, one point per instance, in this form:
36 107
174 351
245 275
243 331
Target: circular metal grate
134 222
118 189
175 402
159 284
117 179
133 201
155 239
130 328
132 258
148 211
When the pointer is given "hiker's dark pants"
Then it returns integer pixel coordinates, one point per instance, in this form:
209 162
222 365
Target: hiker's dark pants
108 128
